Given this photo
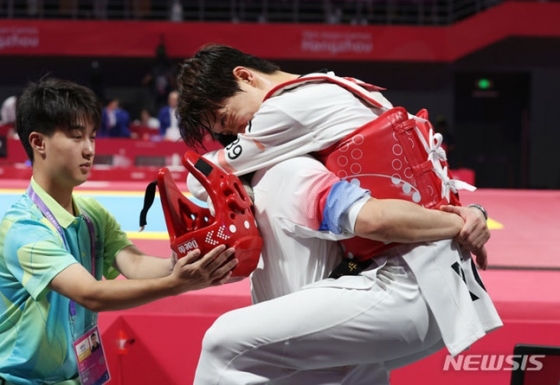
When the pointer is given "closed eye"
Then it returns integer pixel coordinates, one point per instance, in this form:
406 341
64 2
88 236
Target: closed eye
77 132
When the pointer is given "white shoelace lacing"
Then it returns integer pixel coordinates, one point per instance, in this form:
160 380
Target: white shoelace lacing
436 154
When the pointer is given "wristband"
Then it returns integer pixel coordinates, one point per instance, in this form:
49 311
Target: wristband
479 207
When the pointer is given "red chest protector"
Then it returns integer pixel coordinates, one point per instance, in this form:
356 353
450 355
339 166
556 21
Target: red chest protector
394 156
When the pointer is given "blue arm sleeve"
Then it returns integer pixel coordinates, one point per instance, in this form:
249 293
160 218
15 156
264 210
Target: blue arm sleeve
341 196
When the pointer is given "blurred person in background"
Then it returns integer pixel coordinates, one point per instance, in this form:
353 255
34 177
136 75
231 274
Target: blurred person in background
147 120
161 78
96 81
8 116
114 121
146 127
168 122
8 111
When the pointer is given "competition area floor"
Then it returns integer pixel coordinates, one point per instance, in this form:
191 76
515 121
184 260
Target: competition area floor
159 342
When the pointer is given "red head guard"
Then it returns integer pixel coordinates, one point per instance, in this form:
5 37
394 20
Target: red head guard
191 226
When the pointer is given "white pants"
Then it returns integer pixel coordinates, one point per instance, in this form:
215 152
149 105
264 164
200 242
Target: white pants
327 333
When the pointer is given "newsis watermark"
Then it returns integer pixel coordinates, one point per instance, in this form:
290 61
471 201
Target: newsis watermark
494 362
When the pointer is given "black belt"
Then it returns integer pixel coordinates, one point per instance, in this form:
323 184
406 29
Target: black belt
350 267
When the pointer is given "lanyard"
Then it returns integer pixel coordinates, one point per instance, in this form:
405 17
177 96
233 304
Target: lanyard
50 217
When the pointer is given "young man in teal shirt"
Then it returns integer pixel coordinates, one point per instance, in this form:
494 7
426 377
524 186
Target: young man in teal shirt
55 247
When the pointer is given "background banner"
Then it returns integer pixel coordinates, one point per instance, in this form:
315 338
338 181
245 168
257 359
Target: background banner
282 41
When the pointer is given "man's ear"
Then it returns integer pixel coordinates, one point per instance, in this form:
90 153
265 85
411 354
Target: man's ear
37 142
243 74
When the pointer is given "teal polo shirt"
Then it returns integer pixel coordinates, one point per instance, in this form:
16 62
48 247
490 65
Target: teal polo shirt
36 329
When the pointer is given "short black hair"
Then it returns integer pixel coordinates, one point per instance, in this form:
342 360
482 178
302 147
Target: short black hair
52 104
205 81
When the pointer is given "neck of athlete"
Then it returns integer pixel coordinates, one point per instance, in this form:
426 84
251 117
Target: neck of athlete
272 80
59 191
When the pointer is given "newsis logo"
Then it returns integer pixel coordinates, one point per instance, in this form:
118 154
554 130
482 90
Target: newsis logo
494 362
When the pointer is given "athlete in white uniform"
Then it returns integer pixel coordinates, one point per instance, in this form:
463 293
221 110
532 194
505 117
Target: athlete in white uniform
305 329
350 330
222 91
